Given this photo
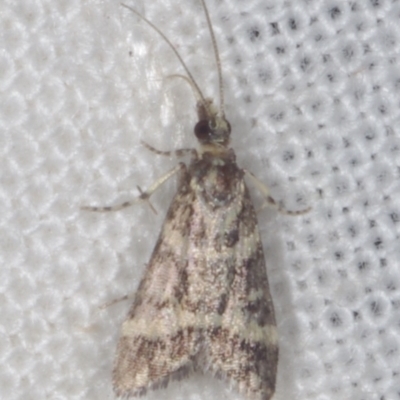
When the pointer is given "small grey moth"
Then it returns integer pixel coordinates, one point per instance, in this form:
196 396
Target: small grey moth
204 302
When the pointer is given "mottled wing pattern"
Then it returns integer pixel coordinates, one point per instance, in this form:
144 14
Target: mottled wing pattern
158 339
243 348
204 301
227 285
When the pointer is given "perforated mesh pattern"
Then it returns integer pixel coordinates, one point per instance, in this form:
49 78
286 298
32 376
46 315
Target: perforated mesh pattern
312 94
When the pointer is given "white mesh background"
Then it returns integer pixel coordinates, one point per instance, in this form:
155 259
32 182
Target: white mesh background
312 93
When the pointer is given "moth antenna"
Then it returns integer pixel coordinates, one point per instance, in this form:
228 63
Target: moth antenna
185 78
217 59
189 74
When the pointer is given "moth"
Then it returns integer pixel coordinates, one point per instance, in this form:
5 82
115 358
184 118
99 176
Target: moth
204 302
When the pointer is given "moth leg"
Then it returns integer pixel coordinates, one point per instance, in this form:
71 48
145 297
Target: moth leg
115 301
269 200
143 195
178 153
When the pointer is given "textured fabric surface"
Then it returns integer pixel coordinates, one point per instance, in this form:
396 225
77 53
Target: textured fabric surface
312 93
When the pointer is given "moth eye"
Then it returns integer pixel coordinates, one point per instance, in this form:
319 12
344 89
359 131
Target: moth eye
202 130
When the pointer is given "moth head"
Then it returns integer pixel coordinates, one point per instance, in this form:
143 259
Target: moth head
212 127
